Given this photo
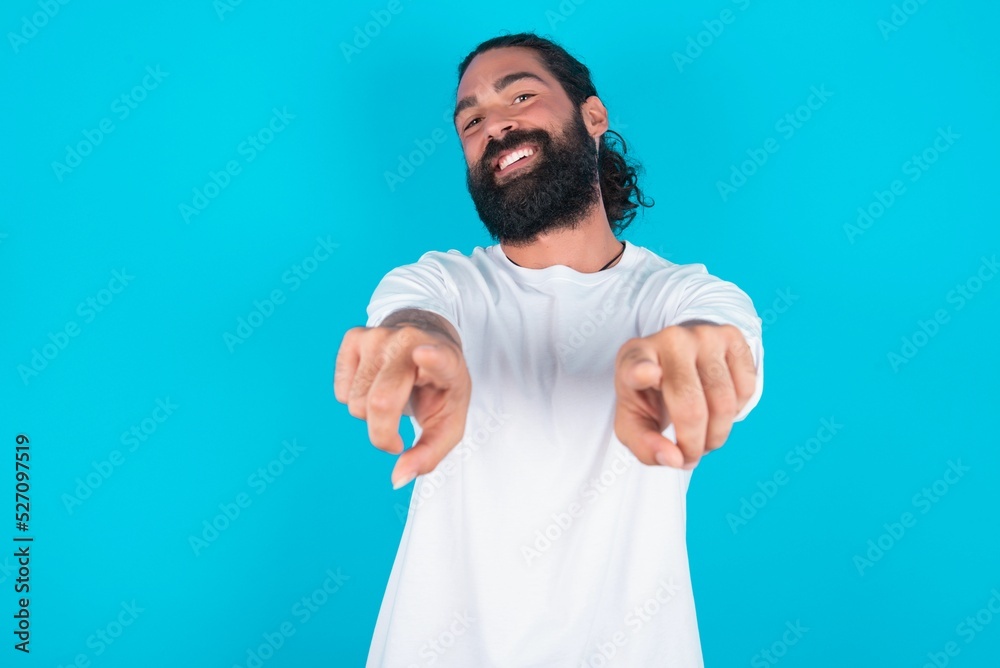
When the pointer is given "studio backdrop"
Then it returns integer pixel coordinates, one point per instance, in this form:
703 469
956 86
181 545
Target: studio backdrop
199 199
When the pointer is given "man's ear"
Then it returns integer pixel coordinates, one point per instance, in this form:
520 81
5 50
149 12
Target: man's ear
595 116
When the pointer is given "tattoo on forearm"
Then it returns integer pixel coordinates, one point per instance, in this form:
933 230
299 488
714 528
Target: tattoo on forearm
425 320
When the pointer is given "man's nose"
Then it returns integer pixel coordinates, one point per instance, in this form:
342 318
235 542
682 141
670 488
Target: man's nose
497 127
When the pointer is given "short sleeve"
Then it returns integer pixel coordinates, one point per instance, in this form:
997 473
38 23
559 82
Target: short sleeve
423 285
691 293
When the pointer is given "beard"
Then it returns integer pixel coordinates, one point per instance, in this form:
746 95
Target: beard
556 191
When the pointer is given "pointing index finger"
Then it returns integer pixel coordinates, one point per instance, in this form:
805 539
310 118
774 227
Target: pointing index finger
436 364
640 413
639 366
683 393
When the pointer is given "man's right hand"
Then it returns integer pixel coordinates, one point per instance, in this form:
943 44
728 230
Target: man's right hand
383 371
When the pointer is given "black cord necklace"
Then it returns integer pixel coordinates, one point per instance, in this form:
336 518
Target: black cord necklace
602 268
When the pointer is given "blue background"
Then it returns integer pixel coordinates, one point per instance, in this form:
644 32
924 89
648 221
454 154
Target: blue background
847 300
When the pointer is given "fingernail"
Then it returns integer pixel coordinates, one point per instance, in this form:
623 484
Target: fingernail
661 458
689 466
404 481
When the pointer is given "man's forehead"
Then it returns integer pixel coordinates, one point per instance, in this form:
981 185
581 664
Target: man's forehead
487 68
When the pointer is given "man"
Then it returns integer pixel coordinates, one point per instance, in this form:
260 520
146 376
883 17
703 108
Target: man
562 385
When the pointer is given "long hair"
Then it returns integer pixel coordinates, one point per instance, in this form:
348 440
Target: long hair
618 175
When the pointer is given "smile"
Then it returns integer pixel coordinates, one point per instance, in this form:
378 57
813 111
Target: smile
515 160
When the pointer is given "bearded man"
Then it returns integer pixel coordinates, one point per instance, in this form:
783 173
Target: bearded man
562 385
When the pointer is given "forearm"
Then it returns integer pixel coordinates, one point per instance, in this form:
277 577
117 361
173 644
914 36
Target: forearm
424 320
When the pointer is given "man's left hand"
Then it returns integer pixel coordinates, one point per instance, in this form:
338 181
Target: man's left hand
697 375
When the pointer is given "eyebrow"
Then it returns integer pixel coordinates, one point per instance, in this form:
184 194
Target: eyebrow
498 85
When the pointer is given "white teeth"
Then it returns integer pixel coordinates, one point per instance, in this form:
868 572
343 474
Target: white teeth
516 155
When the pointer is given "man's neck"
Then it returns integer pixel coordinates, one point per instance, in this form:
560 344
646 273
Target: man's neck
585 249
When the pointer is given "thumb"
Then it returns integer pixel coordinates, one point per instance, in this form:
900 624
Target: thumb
423 457
442 429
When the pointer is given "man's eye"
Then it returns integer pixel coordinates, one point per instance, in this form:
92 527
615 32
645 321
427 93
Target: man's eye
469 124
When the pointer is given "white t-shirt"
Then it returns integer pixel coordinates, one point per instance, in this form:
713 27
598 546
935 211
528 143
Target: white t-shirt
540 540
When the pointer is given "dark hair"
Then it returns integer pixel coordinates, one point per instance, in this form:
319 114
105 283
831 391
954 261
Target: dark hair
618 175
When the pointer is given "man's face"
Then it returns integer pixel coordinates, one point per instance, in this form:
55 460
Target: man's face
552 188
